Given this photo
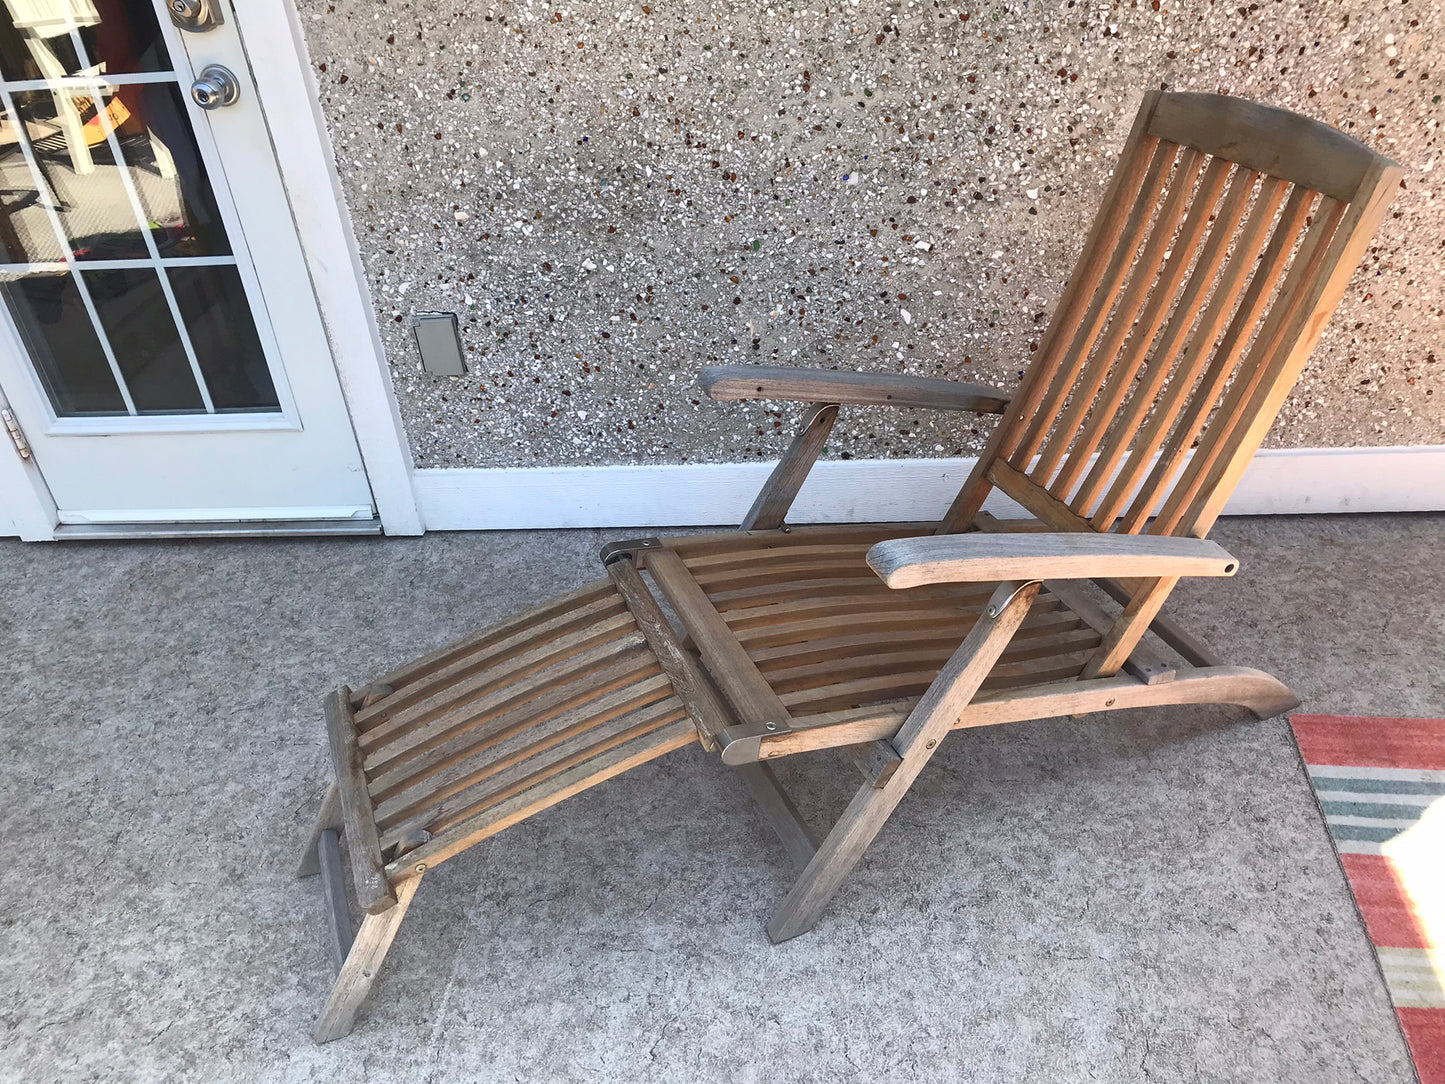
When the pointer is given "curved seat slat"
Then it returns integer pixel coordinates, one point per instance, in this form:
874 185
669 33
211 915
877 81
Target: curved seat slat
558 632
774 614
591 648
477 753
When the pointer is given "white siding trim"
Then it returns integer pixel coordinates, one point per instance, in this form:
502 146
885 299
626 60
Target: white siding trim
291 100
1279 481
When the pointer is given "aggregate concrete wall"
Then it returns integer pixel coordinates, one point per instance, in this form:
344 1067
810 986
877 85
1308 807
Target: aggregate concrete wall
614 195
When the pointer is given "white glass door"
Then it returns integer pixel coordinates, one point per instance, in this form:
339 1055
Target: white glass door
160 346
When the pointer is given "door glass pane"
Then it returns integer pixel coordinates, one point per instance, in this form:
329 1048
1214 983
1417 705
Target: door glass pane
213 304
137 321
25 230
67 355
48 39
169 176
116 263
76 165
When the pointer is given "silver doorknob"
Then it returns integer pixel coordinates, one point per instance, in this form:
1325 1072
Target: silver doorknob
215 87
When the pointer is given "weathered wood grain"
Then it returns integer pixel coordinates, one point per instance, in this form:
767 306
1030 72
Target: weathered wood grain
363 961
373 891
781 489
912 562
915 742
837 386
1266 139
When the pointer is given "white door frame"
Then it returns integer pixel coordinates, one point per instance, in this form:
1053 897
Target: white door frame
271 36
26 508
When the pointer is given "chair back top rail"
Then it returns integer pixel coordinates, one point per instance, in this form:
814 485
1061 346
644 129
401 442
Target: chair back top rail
1265 139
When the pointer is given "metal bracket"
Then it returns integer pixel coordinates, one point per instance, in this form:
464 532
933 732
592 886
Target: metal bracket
998 605
410 841
743 744
616 551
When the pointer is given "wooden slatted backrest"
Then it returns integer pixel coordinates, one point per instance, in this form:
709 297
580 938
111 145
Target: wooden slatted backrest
1224 242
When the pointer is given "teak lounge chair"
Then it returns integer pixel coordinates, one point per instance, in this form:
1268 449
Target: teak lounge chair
1224 242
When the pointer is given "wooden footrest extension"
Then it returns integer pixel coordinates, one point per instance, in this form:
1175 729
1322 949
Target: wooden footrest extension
456 746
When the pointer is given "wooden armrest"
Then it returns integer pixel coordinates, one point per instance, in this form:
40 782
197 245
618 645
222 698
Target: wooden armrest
831 386
992 558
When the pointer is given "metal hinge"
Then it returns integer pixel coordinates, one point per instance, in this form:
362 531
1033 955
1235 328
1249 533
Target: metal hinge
16 436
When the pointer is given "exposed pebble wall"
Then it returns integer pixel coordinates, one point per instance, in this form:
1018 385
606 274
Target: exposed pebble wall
614 195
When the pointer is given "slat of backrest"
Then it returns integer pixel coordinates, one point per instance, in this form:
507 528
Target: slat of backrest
1081 343
1321 269
1180 254
1307 265
1306 323
1146 444
1125 427
1075 436
1201 400
1134 161
1142 277
1064 384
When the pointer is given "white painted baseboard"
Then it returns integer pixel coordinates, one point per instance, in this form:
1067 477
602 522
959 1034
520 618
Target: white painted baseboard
1279 481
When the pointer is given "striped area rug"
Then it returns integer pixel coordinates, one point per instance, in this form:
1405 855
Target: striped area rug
1381 788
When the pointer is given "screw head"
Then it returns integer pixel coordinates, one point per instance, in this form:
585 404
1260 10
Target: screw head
421 867
771 726
1109 703
930 743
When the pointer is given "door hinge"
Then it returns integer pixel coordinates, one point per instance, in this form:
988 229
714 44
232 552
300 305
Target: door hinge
16 436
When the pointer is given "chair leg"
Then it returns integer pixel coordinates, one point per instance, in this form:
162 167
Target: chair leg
835 859
358 973
915 742
328 818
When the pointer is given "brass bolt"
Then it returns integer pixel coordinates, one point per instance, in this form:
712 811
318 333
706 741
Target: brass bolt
421 867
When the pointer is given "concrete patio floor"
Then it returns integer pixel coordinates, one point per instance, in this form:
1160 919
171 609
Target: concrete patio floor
1148 896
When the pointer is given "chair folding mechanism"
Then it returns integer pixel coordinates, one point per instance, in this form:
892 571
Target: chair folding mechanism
1226 238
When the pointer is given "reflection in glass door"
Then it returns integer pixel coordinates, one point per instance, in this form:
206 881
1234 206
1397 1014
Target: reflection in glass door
115 262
